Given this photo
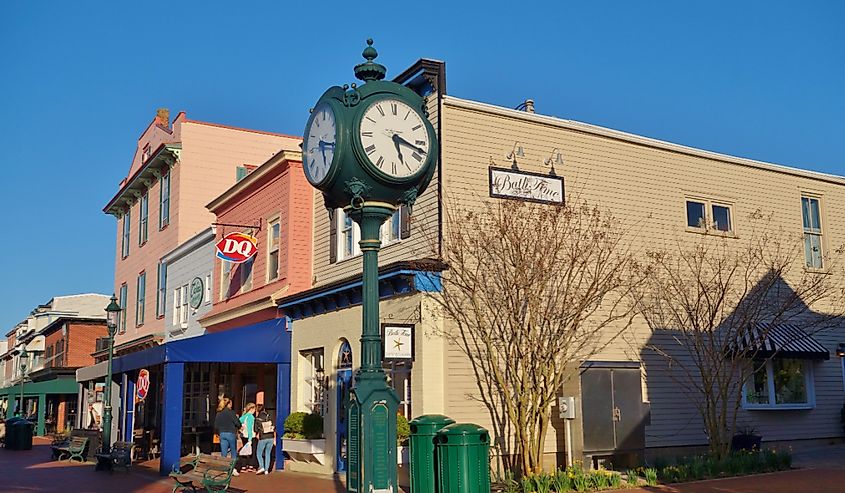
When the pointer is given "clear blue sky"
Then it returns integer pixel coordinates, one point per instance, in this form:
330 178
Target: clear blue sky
79 81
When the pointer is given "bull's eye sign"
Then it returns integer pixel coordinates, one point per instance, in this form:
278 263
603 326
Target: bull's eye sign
237 247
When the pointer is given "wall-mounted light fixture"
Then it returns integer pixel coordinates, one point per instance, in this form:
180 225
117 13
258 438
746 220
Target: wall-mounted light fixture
516 152
554 158
840 350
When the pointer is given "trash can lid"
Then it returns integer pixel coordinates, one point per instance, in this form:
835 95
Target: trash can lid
430 419
463 433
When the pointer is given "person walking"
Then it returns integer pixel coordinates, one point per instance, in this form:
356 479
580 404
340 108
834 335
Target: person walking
266 432
248 460
227 425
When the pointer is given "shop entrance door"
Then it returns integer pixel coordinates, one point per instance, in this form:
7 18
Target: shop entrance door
344 384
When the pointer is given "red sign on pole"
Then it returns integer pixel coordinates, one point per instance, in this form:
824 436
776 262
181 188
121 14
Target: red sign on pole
143 385
237 247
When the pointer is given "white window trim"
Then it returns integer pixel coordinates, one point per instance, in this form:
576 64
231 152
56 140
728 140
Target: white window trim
177 315
184 303
710 225
820 234
270 223
386 241
207 289
809 379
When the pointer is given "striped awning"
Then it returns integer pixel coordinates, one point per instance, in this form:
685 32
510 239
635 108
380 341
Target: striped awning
781 341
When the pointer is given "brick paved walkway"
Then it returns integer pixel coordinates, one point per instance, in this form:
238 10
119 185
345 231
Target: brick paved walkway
33 471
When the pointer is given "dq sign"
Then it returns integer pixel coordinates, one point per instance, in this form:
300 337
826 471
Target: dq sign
143 385
237 247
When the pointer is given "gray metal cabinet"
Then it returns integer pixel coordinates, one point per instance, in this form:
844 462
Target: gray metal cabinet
614 415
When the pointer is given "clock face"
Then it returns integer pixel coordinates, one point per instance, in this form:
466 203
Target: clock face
319 143
394 138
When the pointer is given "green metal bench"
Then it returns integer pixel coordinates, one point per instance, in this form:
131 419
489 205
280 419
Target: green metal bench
74 448
209 472
119 456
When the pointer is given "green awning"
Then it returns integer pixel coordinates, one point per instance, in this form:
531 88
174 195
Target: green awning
56 386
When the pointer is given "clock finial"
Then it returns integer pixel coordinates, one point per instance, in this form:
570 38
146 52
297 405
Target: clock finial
370 70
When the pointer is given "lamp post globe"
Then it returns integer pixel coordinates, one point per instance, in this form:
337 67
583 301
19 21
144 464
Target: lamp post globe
23 359
112 321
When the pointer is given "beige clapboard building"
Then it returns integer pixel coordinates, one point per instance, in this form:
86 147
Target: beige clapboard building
644 181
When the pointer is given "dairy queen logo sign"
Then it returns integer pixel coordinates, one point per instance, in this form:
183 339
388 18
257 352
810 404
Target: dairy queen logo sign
143 385
237 247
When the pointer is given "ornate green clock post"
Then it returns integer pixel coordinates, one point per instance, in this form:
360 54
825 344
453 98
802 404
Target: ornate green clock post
370 148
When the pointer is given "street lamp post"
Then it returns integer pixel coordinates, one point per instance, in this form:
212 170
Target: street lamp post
112 321
23 358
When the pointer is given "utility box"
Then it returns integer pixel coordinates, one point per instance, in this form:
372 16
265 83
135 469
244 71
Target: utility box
567 407
423 462
463 459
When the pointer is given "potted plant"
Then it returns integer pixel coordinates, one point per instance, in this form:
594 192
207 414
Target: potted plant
303 439
403 431
746 438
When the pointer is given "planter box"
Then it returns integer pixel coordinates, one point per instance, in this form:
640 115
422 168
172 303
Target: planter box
746 442
305 450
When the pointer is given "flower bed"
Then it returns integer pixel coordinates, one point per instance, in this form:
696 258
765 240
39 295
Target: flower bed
692 468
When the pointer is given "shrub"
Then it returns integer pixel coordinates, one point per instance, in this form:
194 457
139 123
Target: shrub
293 425
542 482
403 430
312 426
562 481
650 475
633 478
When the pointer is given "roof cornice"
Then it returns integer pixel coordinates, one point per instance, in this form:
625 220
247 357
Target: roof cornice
618 135
165 157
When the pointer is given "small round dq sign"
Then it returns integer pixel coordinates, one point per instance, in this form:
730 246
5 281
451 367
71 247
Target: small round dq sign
237 247
143 385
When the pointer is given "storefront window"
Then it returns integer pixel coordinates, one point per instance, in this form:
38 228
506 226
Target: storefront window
399 378
197 394
315 381
780 383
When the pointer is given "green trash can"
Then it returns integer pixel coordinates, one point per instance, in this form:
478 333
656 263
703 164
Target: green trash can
463 459
423 432
24 434
12 432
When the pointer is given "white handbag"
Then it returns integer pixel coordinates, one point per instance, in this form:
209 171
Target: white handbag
246 450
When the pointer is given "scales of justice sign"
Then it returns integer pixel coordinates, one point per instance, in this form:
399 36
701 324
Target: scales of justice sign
370 148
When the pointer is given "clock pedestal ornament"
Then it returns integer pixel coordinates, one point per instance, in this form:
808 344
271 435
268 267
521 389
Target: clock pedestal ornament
368 149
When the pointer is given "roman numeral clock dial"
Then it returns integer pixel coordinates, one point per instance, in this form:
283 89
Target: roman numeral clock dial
394 138
319 144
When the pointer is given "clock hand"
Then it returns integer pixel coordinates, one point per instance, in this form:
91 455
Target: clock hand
412 146
323 150
396 140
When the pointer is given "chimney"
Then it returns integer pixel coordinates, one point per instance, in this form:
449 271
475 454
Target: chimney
529 106
163 117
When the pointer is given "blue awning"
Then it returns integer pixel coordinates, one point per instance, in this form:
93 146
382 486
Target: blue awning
264 342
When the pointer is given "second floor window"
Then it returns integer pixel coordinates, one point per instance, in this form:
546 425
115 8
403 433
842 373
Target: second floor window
810 211
246 274
127 226
706 215
392 230
273 250
225 279
184 310
161 273
141 298
123 290
144 212
164 201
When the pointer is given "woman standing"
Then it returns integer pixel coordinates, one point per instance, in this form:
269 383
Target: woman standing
247 436
227 424
266 432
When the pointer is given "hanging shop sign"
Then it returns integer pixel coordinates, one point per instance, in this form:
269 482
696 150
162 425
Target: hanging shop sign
398 341
521 185
196 293
237 247
143 385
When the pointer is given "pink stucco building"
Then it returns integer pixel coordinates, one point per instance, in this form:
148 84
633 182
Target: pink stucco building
175 171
